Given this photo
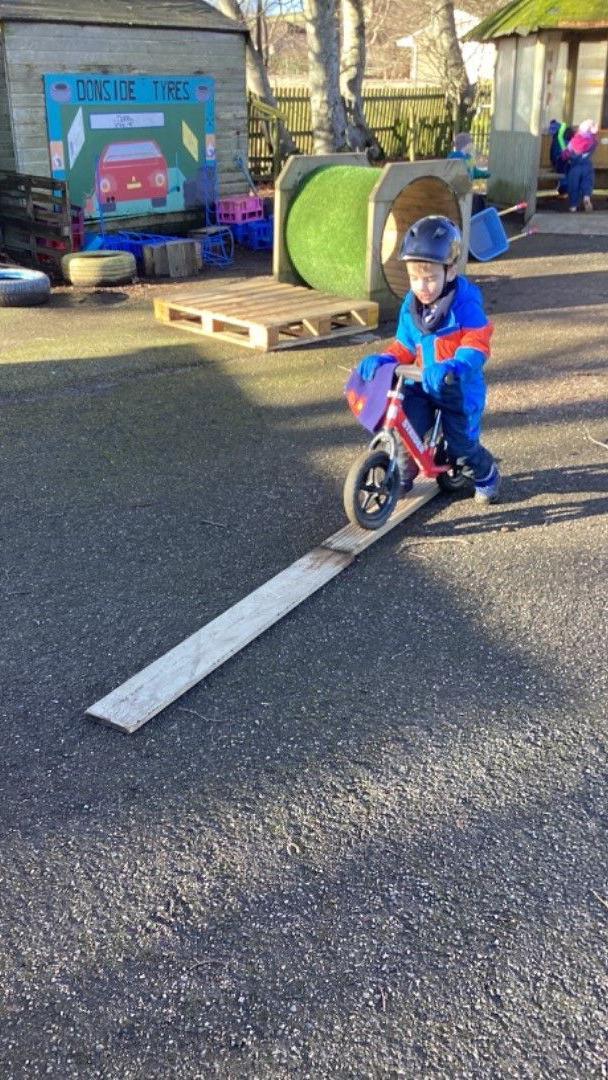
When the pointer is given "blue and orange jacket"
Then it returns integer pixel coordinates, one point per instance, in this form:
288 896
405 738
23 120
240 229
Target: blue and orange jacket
464 335
474 171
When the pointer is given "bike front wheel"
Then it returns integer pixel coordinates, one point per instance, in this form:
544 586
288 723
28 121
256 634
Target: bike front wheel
371 489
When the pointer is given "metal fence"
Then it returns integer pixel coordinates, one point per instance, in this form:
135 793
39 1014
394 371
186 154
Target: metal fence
408 122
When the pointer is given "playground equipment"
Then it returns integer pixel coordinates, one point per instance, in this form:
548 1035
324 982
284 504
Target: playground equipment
487 237
339 221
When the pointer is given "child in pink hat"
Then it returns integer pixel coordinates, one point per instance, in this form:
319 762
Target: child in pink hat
579 152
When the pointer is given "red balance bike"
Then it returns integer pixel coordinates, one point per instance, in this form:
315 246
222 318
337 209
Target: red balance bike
372 486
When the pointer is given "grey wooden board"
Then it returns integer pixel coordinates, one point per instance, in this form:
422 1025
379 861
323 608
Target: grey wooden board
354 540
159 684
187 15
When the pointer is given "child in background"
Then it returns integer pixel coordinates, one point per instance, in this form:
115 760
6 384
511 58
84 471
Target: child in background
580 178
560 136
444 329
464 149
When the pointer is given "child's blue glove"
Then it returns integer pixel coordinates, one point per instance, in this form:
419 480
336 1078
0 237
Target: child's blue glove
466 365
368 366
455 368
433 375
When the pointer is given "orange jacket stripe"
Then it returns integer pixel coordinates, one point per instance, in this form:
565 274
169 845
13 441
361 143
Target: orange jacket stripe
401 354
479 338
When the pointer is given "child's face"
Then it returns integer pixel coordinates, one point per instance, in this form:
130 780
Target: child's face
428 279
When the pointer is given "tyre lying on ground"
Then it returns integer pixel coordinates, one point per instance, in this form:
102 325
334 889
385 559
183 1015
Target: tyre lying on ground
99 267
23 288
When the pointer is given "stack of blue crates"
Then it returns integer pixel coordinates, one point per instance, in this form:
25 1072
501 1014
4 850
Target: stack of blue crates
134 242
256 235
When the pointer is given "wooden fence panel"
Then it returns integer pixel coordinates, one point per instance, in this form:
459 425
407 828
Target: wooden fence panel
408 122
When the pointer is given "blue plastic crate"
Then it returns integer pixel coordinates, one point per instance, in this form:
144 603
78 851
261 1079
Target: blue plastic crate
127 241
240 233
261 234
487 238
258 234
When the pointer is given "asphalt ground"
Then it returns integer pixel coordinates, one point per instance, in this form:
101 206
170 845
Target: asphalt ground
373 844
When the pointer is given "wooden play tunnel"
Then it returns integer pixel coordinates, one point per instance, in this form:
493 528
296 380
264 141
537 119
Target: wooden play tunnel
340 222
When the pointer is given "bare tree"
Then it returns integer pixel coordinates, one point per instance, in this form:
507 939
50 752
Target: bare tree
459 91
257 77
352 69
326 105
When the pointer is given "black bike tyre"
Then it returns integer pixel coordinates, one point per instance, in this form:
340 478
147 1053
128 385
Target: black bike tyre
360 468
23 288
452 483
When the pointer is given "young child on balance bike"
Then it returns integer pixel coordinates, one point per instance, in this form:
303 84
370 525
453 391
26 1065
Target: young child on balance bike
444 330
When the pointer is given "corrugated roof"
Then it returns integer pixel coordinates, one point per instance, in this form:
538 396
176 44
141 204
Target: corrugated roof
162 14
529 16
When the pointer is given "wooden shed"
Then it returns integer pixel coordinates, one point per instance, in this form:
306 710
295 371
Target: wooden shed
552 63
106 81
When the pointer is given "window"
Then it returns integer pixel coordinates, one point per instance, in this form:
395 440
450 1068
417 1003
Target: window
590 81
556 71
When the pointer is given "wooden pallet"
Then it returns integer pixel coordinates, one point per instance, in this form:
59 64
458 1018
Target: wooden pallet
261 313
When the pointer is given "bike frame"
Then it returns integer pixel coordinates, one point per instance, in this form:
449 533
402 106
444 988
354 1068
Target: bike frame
397 426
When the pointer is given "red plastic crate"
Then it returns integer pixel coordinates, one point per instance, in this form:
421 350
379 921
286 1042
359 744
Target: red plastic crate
77 215
76 228
240 208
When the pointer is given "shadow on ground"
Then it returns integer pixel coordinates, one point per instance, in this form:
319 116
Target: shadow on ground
368 844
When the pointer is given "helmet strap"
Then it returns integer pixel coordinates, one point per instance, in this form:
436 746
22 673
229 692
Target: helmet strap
448 286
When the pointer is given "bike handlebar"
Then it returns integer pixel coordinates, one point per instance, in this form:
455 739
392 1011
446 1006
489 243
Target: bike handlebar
414 373
409 371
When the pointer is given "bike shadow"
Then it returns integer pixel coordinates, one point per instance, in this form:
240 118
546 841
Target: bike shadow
586 483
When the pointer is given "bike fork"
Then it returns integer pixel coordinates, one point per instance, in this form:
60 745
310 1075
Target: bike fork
435 434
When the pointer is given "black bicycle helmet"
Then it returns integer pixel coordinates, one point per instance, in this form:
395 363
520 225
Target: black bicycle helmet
433 239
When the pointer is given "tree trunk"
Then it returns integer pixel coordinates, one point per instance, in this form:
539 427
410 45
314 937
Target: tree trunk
459 90
352 70
258 82
326 105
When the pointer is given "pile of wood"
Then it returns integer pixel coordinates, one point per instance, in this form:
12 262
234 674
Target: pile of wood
173 258
36 220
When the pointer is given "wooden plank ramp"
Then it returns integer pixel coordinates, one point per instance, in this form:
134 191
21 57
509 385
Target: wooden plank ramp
162 682
261 313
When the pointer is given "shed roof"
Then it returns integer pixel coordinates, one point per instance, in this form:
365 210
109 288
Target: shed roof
529 16
162 14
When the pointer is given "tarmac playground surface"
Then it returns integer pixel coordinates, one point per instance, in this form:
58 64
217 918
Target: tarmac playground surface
372 844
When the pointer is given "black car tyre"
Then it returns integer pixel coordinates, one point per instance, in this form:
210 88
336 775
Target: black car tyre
99 267
23 288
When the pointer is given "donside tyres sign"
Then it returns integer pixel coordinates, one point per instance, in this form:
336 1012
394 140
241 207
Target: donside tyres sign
131 144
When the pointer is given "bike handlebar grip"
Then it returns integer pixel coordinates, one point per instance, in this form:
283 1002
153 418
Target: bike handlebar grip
409 371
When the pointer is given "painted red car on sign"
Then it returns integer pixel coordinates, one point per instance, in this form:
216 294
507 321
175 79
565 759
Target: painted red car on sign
132 170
